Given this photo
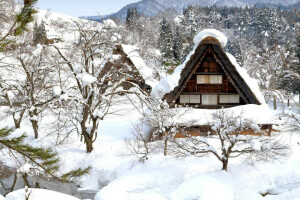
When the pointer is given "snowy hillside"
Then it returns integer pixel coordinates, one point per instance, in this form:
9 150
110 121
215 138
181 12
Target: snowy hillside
152 7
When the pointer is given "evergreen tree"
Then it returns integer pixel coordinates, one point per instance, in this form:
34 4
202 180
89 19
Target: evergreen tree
20 23
42 160
132 18
192 23
39 34
290 78
166 42
177 45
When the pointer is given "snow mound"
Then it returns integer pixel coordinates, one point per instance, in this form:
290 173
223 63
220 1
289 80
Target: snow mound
251 82
291 195
1 197
210 33
38 194
144 70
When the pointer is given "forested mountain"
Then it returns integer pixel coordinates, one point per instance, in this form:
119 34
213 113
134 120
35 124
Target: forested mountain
151 8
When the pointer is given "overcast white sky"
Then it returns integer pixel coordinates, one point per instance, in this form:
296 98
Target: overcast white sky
84 7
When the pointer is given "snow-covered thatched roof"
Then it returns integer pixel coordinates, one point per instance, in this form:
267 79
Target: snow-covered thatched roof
210 36
145 71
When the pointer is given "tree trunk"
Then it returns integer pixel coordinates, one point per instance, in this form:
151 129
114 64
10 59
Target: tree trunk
87 140
18 121
288 102
166 147
89 145
274 103
225 164
35 127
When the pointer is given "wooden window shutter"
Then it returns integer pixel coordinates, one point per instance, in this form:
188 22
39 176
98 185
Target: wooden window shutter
215 79
209 99
195 99
203 79
184 98
229 99
209 79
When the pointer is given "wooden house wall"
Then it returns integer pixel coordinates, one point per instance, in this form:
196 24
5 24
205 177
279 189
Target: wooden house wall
209 66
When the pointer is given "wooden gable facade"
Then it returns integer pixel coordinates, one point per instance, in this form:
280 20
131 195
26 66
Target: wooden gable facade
125 65
209 80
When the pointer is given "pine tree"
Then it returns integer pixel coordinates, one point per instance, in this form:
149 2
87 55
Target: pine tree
42 160
20 24
166 42
290 78
132 18
177 45
39 34
192 23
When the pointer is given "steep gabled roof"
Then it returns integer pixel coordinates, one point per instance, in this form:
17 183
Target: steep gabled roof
230 70
130 52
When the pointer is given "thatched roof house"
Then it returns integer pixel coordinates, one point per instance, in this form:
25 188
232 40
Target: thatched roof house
127 60
211 79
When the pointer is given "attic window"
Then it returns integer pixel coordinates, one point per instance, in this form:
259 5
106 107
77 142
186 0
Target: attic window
209 79
193 99
229 99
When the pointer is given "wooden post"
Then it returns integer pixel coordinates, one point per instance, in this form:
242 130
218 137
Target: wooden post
269 129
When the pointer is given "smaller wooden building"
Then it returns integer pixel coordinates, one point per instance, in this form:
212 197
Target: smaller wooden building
126 60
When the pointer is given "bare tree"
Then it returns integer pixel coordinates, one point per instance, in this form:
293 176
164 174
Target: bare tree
92 78
164 120
228 139
27 83
138 145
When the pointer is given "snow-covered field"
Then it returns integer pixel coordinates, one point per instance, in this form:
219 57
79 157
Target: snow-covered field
122 177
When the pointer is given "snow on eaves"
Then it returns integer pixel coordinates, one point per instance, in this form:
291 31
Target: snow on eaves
168 84
260 114
144 70
251 82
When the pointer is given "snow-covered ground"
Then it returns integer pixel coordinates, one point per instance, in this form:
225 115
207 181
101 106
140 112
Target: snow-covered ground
38 194
121 177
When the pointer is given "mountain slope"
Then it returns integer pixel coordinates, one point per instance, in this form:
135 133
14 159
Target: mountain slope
153 7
